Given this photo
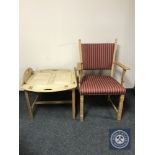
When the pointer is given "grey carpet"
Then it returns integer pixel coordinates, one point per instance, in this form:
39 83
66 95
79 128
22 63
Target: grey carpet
53 132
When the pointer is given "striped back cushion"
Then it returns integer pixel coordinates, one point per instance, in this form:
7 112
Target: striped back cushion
97 56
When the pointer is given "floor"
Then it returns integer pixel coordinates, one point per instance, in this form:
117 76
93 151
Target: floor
54 132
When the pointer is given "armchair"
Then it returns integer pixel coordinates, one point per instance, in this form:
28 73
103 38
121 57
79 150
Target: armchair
100 56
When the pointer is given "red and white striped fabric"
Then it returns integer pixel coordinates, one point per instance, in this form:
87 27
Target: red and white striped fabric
97 56
97 84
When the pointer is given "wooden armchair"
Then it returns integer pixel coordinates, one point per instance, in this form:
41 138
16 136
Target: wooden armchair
100 56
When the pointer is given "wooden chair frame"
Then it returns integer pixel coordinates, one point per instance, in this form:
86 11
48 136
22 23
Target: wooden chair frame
79 70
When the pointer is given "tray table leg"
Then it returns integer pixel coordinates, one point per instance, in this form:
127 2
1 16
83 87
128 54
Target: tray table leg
28 105
81 107
73 104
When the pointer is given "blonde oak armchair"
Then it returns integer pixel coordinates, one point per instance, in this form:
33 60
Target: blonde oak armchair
100 56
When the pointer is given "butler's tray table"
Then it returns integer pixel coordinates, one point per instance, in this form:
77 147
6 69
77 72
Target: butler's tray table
48 81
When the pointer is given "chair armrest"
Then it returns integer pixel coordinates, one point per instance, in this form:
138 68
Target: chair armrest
121 65
125 68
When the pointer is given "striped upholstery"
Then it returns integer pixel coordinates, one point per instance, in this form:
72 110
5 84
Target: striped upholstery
97 56
97 84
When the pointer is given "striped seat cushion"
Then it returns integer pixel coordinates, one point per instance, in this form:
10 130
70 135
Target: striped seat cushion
97 56
97 84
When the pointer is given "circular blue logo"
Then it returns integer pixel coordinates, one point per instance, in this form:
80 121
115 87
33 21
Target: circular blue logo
119 139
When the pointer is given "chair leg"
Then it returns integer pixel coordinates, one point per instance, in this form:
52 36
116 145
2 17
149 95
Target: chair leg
120 107
28 105
81 107
73 104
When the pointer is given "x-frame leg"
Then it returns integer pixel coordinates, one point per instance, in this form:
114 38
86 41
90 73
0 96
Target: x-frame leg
30 109
31 105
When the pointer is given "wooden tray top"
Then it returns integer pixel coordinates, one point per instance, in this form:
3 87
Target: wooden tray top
48 80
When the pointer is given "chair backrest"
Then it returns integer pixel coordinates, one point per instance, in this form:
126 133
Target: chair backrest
97 55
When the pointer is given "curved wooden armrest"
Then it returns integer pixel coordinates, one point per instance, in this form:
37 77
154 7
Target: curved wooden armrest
121 65
125 68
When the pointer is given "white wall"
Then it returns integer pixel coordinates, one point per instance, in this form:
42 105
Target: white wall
50 29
